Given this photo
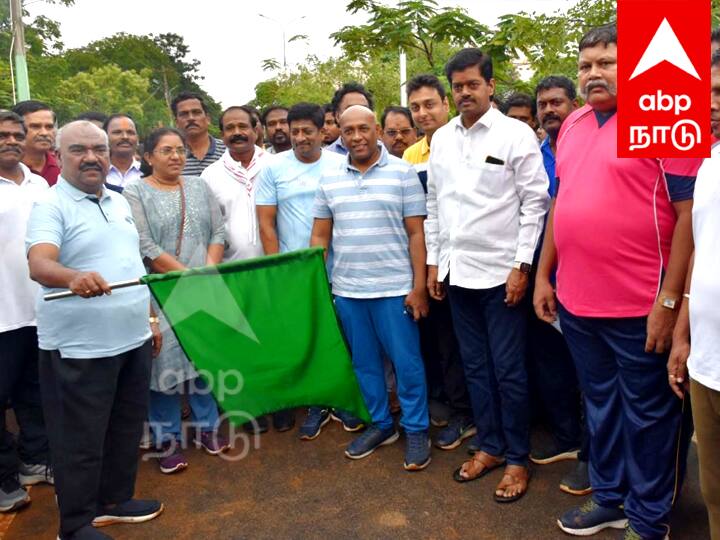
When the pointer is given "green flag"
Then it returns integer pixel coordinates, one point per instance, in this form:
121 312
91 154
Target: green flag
263 333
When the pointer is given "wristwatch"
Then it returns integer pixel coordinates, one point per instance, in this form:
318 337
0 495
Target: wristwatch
523 267
667 302
154 320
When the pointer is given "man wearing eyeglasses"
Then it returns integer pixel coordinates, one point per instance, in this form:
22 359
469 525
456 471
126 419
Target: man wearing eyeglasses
398 131
96 347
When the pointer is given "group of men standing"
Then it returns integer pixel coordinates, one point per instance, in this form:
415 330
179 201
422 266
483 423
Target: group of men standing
436 248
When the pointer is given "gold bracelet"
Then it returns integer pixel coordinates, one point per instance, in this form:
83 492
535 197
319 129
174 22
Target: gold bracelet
154 320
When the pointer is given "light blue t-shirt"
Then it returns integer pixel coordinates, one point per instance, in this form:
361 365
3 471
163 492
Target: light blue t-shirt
93 235
290 184
369 240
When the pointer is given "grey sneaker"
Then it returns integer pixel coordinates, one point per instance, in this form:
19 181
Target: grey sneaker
12 495
38 473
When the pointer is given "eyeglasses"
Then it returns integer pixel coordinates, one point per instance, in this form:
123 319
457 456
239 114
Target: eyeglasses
165 151
392 133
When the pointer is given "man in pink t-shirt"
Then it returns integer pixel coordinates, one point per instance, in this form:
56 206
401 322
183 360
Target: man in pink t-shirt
619 233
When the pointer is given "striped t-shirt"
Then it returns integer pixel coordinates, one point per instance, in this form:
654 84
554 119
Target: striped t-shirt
369 241
195 166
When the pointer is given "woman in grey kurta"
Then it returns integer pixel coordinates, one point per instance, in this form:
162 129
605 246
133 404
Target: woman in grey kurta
180 226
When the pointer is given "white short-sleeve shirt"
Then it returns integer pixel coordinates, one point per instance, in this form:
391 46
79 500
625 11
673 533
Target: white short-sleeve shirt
704 361
17 290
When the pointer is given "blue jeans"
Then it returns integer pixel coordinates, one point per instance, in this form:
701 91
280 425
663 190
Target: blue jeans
492 347
377 325
633 418
164 416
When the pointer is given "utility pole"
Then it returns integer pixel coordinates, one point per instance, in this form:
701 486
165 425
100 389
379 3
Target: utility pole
22 82
403 78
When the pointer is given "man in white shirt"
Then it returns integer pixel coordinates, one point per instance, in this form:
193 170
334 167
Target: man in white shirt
123 140
487 198
19 382
700 318
233 180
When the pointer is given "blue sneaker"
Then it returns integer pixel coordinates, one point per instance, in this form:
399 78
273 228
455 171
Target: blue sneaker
348 421
417 451
457 430
313 424
591 518
630 534
131 511
373 438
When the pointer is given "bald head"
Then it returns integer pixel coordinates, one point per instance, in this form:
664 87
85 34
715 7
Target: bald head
360 131
84 155
354 112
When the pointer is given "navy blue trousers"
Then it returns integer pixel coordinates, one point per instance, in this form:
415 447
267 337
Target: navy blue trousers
492 347
633 418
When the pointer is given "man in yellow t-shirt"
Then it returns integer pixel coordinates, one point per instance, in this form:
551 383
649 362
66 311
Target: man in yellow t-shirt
430 108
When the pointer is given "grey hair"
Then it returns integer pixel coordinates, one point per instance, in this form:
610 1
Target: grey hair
84 123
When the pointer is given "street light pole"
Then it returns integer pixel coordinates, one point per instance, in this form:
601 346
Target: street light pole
22 81
283 26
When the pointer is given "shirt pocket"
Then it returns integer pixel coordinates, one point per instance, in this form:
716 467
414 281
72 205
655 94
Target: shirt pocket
490 179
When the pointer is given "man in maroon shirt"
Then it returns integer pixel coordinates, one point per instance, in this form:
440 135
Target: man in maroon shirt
39 121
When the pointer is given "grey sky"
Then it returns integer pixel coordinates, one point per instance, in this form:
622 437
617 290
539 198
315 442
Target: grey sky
230 39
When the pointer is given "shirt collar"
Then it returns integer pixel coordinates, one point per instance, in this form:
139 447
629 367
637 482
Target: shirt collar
486 120
135 165
75 193
381 162
29 177
211 148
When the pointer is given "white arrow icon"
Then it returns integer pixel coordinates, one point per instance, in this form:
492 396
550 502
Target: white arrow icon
665 45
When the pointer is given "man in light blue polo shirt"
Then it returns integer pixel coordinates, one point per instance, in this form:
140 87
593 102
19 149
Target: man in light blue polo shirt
284 199
372 210
95 348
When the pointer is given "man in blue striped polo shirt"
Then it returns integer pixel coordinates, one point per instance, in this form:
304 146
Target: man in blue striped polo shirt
372 208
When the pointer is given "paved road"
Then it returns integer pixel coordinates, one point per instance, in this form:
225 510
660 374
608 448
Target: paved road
289 489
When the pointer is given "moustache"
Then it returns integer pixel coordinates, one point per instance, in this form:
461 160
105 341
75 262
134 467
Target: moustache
239 138
191 124
91 167
592 85
15 149
550 117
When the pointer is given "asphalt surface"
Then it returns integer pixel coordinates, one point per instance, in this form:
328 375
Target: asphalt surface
279 487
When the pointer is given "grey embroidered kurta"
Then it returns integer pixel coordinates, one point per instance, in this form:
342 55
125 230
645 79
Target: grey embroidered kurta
157 215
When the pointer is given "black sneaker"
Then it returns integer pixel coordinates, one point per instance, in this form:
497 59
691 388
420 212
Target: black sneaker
553 454
257 426
283 420
85 533
12 495
577 481
457 430
439 413
474 445
132 511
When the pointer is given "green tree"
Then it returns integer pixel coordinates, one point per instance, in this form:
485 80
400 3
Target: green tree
414 25
109 88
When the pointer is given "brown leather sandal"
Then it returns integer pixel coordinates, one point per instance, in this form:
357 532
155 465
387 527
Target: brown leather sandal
514 475
482 461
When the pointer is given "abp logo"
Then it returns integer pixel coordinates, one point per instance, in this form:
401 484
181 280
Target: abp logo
663 78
